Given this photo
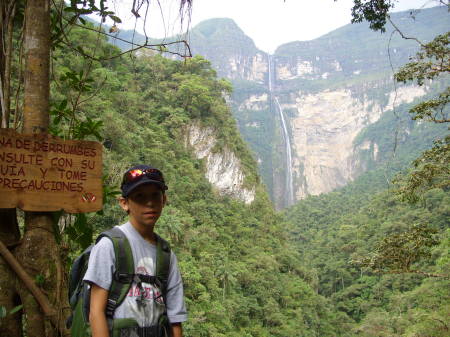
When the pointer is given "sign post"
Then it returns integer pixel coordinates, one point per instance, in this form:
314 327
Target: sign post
44 173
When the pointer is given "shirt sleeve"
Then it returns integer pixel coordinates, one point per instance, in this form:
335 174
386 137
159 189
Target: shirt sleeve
176 308
101 264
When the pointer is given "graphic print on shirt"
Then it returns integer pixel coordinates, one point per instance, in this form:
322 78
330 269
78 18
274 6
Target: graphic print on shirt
145 302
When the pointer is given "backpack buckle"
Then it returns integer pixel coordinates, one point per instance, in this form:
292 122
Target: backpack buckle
158 282
154 280
123 277
110 307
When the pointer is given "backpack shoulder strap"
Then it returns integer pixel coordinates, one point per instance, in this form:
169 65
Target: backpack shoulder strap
77 271
124 265
162 263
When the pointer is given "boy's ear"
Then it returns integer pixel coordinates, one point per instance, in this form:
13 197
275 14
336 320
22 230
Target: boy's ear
123 202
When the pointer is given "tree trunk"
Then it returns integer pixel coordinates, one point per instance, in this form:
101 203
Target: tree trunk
37 67
39 252
6 33
8 61
3 27
11 325
43 263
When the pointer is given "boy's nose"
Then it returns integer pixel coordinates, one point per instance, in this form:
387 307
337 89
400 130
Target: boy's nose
151 201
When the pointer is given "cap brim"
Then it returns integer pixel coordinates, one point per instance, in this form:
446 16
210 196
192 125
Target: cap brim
145 181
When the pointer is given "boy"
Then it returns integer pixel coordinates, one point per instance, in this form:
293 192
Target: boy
143 198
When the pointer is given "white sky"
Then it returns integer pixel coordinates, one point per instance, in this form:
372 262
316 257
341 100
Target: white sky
269 23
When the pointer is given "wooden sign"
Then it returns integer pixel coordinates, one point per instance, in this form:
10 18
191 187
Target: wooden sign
46 173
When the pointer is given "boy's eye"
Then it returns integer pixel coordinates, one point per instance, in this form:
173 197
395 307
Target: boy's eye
156 196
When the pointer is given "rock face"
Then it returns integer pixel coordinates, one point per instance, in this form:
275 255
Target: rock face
252 68
323 126
223 168
323 130
255 102
330 89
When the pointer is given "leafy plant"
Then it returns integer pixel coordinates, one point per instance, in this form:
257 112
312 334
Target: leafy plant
373 11
68 121
430 170
432 61
397 253
39 279
4 312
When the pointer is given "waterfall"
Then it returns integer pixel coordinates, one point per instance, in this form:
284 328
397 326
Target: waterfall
289 186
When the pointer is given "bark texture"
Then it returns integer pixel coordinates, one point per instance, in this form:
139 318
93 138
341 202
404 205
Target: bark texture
7 12
39 256
10 326
37 66
39 252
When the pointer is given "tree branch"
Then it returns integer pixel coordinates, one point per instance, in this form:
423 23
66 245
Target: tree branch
401 33
43 301
99 31
146 45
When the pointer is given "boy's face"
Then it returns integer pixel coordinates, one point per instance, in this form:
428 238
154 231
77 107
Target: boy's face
144 205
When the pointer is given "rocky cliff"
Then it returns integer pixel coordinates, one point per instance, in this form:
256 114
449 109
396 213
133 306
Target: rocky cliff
324 127
330 90
222 166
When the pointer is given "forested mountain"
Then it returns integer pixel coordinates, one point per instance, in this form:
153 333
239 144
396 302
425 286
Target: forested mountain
252 272
357 261
242 275
330 89
337 231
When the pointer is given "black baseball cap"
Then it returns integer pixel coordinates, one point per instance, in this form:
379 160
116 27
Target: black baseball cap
139 175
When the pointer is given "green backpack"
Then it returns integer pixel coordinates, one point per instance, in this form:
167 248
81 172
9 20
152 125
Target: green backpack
79 291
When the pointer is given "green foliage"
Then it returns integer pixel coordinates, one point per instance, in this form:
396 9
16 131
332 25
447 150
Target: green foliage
373 11
396 253
430 170
16 309
356 224
4 312
39 279
241 274
83 7
433 109
67 121
423 311
432 61
80 232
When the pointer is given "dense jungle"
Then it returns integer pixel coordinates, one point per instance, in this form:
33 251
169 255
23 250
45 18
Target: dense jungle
369 259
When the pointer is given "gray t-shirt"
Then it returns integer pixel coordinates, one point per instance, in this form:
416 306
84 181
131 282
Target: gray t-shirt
101 269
